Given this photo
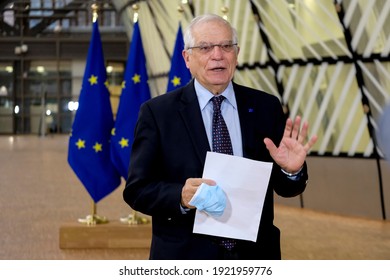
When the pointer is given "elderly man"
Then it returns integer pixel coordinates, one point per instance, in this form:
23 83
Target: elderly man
175 130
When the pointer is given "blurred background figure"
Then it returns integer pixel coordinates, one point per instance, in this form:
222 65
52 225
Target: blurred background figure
383 132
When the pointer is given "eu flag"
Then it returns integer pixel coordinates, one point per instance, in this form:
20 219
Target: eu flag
89 143
135 91
179 75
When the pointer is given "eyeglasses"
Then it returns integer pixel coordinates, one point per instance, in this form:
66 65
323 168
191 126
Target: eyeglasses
207 48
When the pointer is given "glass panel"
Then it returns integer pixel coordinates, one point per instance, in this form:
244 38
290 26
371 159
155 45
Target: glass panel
302 29
115 72
51 116
26 124
65 73
331 101
66 121
6 94
65 87
377 85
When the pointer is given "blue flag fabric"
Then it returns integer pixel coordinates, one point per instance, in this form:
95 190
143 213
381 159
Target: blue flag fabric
89 143
135 91
179 75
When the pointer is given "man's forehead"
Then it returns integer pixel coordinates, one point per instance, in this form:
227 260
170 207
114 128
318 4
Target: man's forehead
206 33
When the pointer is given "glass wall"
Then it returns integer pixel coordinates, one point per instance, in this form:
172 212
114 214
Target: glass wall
46 95
6 97
41 89
44 47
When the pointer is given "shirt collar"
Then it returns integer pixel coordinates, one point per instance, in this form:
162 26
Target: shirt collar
204 95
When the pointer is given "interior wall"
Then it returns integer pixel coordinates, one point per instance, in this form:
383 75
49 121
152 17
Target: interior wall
346 186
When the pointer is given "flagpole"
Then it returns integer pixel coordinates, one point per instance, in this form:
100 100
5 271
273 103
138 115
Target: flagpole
180 9
225 11
133 218
95 9
135 8
94 218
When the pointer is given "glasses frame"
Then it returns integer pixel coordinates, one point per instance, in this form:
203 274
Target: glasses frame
208 48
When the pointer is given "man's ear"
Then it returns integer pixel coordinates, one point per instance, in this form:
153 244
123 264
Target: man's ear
186 57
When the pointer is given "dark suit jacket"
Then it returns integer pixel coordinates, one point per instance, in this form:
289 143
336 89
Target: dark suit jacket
170 146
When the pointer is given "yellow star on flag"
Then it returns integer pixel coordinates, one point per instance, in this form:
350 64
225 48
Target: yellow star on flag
124 142
107 83
123 85
80 144
93 80
97 147
176 81
136 78
113 131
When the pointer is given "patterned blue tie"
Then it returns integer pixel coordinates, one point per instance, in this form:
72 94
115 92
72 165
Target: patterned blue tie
221 138
221 144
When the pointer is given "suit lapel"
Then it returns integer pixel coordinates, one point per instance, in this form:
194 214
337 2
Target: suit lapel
190 112
246 114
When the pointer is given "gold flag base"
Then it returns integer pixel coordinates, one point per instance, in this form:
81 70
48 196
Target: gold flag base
135 219
92 220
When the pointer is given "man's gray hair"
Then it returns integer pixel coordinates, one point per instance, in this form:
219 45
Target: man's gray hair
189 40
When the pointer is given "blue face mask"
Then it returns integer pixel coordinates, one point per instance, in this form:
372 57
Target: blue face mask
210 199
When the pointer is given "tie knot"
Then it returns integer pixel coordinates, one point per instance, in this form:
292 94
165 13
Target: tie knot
217 101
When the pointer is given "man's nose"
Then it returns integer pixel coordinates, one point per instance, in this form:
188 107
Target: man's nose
216 51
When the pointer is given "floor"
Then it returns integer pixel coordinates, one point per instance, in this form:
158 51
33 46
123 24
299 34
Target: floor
39 193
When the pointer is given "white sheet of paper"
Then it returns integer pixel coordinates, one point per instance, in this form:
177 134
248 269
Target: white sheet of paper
245 183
